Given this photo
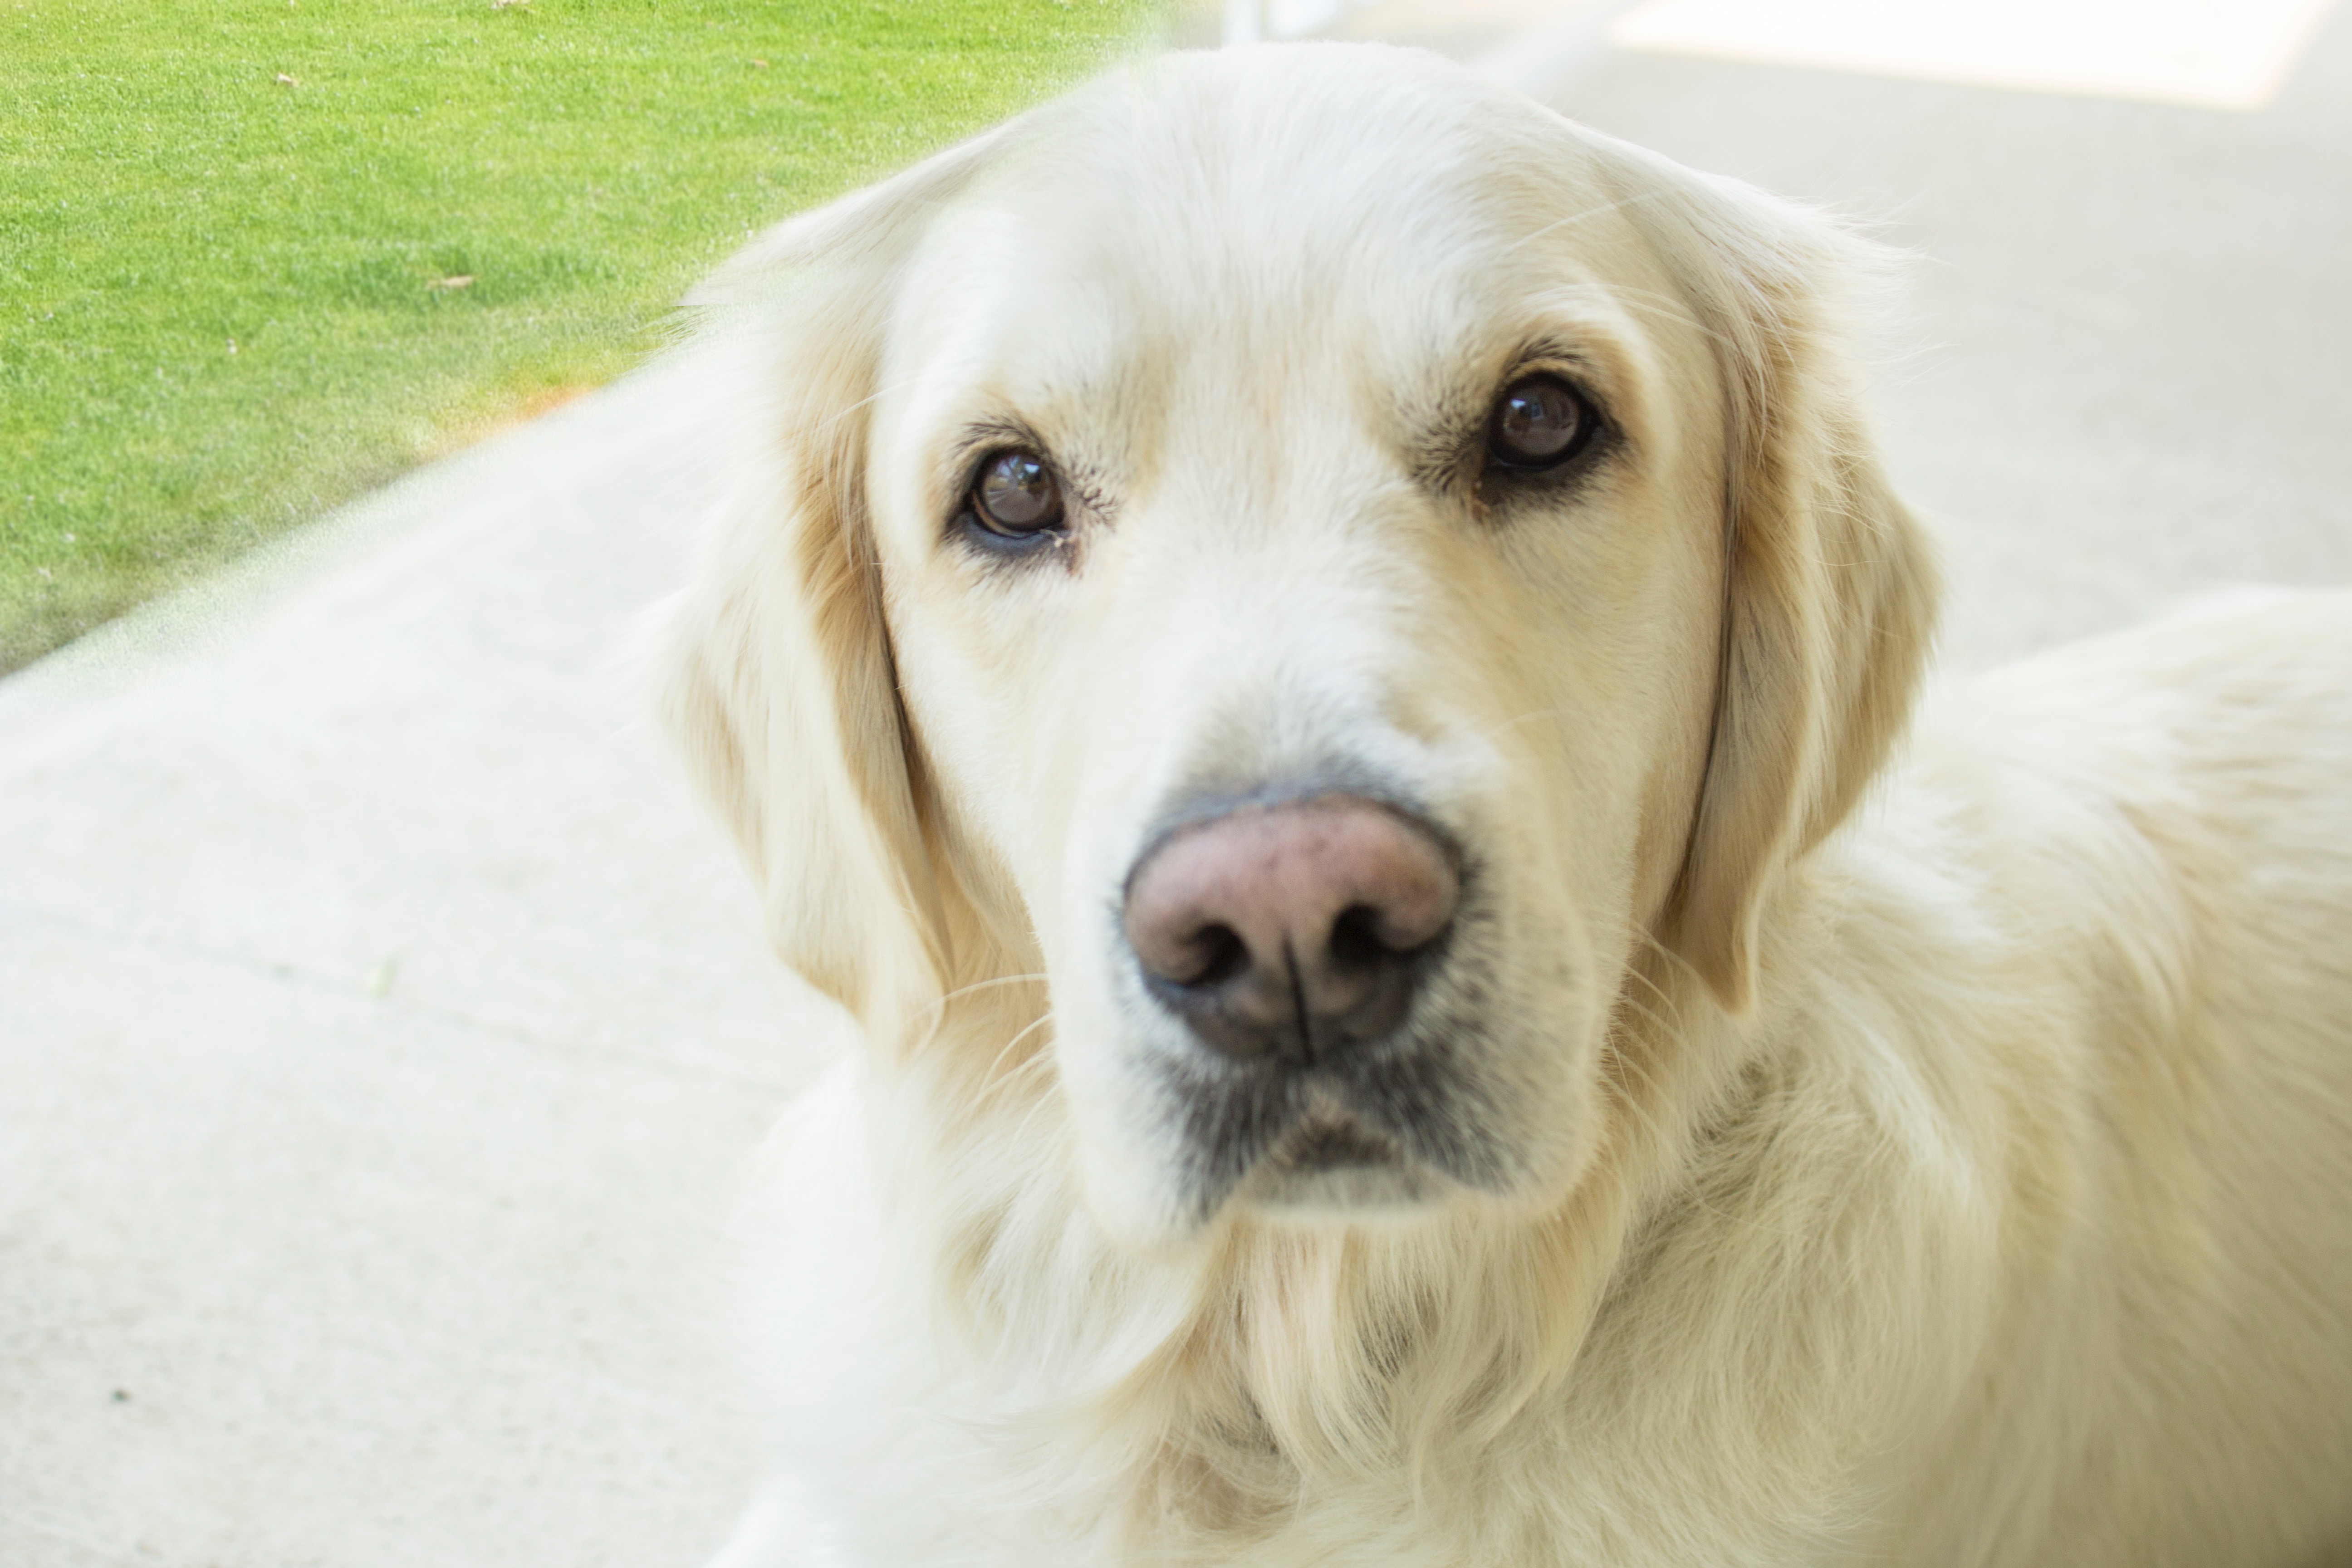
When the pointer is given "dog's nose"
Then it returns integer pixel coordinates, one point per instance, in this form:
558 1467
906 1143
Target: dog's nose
1291 931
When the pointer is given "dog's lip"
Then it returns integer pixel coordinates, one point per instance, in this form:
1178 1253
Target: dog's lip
1332 1143
1391 1113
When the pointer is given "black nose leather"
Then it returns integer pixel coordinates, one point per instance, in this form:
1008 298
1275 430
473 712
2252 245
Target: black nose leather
1291 931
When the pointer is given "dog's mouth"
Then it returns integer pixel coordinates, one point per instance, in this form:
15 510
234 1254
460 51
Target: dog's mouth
1336 1163
1389 1139
1326 1143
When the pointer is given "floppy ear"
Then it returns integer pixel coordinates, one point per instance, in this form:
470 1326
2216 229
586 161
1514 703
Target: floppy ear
1830 585
778 683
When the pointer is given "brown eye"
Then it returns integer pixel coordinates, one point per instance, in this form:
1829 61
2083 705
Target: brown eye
1538 421
1016 494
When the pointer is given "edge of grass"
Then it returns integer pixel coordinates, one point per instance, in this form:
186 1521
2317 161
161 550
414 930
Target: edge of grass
269 258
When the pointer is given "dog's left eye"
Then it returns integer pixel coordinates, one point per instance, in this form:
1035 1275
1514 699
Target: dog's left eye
1540 422
1016 496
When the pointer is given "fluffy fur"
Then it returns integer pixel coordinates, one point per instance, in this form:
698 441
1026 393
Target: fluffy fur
1946 1169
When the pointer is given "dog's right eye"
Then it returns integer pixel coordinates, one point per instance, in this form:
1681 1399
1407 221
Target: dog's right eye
1540 422
1016 496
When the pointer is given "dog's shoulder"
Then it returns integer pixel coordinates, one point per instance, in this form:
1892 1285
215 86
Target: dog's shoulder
2219 737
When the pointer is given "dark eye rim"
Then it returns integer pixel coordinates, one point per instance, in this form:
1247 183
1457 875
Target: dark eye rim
978 524
1590 425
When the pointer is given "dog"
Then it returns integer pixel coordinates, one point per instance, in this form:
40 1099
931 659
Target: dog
1322 661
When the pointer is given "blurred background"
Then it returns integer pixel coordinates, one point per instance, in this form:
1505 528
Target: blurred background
383 1027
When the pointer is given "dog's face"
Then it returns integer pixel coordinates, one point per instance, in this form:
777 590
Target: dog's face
1296 500
1244 387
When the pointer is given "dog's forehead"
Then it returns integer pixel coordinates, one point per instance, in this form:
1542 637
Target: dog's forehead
1283 203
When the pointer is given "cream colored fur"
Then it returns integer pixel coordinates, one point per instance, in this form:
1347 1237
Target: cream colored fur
1936 1152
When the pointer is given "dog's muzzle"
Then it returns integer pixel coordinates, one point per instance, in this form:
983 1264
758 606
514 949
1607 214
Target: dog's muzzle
1330 966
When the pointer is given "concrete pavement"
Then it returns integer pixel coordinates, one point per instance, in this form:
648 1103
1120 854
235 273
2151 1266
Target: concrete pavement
383 1028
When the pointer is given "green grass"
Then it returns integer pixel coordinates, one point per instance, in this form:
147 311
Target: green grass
230 232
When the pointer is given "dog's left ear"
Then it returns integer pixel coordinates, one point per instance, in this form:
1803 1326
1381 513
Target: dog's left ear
1830 589
780 688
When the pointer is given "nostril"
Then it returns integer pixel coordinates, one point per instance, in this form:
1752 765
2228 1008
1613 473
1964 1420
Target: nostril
1356 939
1217 954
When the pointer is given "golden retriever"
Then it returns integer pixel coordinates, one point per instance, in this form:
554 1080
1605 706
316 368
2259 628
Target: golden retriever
1322 660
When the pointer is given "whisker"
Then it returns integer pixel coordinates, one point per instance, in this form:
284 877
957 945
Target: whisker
994 1082
1602 210
938 1005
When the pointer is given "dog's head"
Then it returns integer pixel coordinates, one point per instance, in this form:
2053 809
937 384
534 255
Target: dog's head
1329 562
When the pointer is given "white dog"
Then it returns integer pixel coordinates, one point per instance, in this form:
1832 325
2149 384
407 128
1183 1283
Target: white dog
1321 658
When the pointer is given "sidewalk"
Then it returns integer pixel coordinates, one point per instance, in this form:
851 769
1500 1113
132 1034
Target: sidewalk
385 1029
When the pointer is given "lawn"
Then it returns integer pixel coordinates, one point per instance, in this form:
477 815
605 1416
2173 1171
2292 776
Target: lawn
259 255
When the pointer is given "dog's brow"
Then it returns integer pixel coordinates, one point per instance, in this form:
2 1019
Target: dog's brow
1576 217
858 405
979 434
1662 304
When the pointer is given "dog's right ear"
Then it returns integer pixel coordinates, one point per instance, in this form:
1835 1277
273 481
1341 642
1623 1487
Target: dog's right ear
778 683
